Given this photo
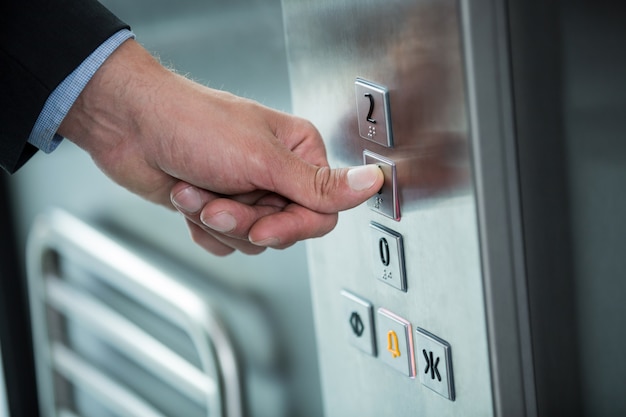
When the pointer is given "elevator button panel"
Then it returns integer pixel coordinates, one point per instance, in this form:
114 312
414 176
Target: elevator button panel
372 105
358 317
395 341
386 201
388 256
434 363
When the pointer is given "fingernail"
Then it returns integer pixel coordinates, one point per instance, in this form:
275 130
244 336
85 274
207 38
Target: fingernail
363 177
271 241
220 222
188 200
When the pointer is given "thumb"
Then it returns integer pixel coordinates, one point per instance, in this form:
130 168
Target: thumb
327 190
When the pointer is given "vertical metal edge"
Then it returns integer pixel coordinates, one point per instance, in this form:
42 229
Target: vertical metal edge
486 54
4 409
17 369
42 354
549 123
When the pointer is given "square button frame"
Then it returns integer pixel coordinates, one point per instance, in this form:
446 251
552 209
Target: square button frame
373 112
388 256
387 201
395 340
431 351
359 322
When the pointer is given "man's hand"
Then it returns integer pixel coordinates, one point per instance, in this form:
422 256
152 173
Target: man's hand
245 176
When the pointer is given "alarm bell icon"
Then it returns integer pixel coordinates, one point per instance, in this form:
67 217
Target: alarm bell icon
392 344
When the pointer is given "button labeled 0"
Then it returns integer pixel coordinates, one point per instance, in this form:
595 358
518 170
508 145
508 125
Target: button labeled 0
388 256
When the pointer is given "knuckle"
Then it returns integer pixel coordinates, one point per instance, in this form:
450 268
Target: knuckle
326 183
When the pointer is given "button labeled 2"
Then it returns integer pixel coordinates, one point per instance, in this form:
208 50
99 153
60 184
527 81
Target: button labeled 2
372 108
388 256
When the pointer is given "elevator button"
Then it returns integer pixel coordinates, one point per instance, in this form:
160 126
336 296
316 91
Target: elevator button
359 322
388 256
386 202
372 107
434 363
395 341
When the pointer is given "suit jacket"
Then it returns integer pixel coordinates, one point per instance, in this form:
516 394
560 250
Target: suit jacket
41 43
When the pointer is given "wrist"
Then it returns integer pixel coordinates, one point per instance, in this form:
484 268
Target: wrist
107 113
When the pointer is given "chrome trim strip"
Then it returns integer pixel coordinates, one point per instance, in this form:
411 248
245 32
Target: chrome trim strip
490 103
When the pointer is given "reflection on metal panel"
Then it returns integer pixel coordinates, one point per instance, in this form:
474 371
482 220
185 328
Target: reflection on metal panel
116 336
412 49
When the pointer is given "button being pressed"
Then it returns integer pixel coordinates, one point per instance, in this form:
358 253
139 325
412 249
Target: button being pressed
386 202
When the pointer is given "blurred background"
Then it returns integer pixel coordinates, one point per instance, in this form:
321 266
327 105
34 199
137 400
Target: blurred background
567 125
236 46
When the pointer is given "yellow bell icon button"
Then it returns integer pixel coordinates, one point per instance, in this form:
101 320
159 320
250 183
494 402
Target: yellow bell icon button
394 333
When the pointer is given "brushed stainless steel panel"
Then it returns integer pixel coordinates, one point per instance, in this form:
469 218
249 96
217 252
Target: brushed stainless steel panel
414 49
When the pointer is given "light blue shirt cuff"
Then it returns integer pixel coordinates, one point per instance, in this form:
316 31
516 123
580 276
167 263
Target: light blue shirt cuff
58 104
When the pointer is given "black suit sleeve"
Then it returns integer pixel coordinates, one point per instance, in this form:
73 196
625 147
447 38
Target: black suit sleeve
41 43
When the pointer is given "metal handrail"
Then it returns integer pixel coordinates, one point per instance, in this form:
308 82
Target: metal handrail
59 233
110 394
131 340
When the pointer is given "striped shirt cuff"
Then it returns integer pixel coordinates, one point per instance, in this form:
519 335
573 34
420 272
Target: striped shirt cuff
58 104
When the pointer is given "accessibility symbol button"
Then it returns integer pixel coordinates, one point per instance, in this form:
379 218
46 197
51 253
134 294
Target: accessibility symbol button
357 324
